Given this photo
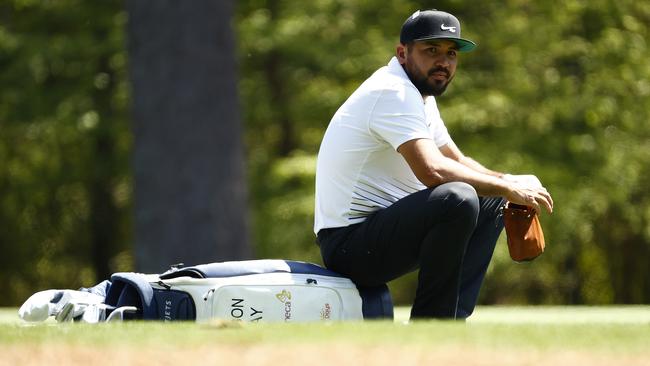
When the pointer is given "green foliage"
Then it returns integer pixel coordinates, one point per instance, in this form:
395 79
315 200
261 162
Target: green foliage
64 146
284 212
557 89
583 129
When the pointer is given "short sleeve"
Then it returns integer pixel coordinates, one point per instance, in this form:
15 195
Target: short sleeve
399 116
439 131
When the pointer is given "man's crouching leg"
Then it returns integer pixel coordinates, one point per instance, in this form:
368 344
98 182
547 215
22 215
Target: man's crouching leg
479 253
443 249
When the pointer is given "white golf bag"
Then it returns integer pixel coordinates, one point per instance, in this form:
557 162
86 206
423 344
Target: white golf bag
258 290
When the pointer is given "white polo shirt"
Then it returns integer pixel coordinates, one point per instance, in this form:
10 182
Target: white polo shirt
359 170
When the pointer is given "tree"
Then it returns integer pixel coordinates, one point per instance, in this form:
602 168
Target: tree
190 187
64 146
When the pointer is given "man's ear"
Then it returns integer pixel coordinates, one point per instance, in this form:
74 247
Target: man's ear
400 53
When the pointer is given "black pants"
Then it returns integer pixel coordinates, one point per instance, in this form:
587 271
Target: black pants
448 232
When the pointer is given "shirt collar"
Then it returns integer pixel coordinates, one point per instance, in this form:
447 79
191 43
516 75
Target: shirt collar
395 68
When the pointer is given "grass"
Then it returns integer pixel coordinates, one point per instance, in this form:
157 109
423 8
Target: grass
493 336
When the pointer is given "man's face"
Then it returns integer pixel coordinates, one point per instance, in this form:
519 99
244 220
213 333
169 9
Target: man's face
431 65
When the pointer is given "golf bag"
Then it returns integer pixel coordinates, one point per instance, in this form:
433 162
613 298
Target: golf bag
258 290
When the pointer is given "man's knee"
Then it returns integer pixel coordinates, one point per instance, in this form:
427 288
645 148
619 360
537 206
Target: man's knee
461 198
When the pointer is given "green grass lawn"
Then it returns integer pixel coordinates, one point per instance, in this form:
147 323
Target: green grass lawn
493 336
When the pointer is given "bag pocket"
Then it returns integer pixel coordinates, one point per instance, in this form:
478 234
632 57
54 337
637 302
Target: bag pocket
276 303
174 305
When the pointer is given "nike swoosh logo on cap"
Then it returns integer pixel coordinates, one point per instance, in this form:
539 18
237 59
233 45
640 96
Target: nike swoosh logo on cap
451 29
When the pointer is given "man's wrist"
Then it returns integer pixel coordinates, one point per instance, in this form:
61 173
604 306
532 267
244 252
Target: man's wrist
501 187
509 184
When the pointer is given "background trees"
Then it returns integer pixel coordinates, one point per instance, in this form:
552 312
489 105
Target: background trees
558 89
190 187
65 181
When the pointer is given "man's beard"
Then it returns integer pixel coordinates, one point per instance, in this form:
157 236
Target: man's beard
425 87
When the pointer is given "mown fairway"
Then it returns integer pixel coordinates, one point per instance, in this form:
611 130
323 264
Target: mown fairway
493 336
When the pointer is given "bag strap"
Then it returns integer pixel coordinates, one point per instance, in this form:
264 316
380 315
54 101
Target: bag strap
132 289
242 268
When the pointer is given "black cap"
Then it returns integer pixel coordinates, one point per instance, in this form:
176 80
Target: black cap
433 24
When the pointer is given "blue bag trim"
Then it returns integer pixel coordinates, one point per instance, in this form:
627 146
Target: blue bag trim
132 289
311 268
242 268
376 302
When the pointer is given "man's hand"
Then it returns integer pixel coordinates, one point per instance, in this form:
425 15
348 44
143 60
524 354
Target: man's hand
530 195
528 180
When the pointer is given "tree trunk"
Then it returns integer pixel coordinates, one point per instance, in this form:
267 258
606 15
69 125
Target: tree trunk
280 99
190 191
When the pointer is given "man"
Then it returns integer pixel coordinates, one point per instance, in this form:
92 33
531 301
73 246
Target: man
393 191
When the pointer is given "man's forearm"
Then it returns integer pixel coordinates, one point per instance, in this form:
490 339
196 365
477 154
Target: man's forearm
475 165
486 184
433 166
